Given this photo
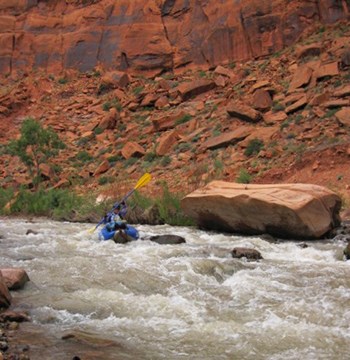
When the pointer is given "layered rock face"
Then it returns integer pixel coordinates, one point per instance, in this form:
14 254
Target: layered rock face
151 35
299 211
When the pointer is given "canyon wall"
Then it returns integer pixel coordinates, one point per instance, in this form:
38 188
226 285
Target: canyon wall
151 36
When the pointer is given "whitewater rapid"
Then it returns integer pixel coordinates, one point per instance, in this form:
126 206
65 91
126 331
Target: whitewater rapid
190 301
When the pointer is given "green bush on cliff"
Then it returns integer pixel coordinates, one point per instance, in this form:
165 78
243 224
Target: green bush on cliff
254 146
34 147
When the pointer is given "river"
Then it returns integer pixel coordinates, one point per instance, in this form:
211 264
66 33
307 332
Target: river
190 301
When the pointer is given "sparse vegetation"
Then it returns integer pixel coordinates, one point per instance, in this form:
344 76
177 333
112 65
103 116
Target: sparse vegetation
150 156
62 81
131 161
167 205
103 180
83 156
138 90
277 107
244 177
330 112
114 158
98 130
165 161
254 147
183 119
114 103
183 147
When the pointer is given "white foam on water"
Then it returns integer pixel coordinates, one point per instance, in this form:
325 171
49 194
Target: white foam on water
188 301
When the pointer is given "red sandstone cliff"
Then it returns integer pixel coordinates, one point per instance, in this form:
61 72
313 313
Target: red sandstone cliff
151 35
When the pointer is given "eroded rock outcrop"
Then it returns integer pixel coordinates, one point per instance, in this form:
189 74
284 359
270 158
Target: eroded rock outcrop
148 35
285 210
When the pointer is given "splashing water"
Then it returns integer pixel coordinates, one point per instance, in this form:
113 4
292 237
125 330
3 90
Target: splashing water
190 301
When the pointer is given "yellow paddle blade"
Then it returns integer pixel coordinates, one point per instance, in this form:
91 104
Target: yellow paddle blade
91 231
145 179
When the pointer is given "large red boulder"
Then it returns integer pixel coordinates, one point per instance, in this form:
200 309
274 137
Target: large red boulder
299 211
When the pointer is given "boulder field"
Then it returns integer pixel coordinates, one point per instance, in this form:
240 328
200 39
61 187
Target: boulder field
297 211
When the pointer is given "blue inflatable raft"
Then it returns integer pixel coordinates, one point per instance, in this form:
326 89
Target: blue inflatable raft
130 232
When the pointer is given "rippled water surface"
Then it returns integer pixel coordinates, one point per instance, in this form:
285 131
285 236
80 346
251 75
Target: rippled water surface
191 301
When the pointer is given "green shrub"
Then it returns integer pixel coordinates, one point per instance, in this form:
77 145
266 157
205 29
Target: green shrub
166 160
131 161
56 203
170 210
218 165
254 147
103 180
114 158
103 88
232 65
56 168
298 118
329 113
83 156
244 177
98 130
138 90
5 196
183 119
150 156
35 146
106 106
114 103
217 130
285 124
168 205
62 81
182 147
96 73
277 107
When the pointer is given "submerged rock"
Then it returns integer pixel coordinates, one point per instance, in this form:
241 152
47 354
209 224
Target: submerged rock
250 254
30 231
168 239
299 211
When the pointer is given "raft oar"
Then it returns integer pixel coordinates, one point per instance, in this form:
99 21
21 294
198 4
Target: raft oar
144 180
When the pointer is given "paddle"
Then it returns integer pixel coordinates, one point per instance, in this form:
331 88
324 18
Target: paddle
144 180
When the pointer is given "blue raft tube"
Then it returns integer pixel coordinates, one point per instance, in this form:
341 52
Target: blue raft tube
130 231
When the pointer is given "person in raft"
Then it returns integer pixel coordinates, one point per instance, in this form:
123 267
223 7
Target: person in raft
118 214
115 222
